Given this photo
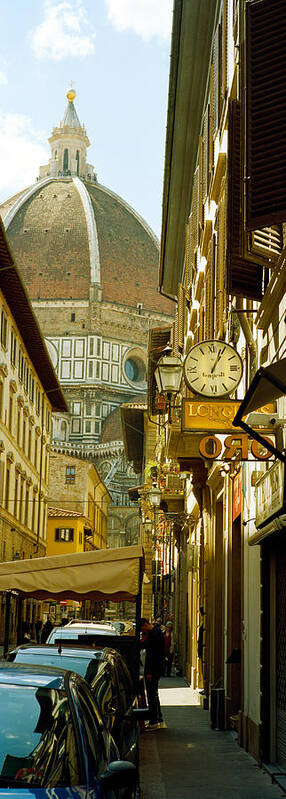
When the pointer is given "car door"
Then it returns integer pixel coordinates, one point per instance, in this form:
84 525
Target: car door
95 744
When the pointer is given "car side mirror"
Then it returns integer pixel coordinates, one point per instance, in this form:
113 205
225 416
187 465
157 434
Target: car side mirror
120 774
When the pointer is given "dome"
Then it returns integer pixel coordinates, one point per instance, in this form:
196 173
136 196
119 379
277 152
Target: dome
67 234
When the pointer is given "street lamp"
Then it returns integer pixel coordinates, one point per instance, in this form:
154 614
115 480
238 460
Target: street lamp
168 376
154 497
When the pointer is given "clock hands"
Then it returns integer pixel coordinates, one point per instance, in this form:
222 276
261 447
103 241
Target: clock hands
216 360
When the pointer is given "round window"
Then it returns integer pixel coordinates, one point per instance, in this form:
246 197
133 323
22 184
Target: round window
135 369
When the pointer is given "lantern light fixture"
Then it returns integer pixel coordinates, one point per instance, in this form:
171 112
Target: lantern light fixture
155 496
168 375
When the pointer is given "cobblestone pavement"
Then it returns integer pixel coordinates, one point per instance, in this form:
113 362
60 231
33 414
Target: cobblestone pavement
189 760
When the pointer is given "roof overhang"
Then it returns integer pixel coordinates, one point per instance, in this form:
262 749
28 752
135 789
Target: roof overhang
193 25
102 574
268 385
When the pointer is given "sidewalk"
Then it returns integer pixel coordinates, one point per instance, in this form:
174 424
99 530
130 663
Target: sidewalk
189 760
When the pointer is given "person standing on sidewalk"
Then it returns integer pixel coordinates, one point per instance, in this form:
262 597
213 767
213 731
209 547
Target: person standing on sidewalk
169 649
154 645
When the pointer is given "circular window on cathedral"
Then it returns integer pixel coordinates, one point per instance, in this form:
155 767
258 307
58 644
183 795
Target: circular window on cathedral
135 367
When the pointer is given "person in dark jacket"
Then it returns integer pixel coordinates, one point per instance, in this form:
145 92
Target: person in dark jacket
154 645
47 629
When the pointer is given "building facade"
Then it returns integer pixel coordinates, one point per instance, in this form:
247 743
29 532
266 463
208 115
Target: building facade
29 393
223 258
76 486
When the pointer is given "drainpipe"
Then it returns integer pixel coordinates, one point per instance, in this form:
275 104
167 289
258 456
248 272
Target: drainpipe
240 313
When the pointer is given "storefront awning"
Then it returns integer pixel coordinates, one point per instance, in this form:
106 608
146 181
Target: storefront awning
268 385
109 574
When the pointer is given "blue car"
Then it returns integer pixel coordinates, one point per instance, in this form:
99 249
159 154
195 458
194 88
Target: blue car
51 736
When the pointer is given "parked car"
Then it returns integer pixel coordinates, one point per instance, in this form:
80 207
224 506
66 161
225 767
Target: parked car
110 682
51 735
73 631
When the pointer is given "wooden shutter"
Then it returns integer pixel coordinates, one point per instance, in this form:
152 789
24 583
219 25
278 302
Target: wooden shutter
211 127
265 133
244 277
266 244
181 316
195 210
217 77
205 153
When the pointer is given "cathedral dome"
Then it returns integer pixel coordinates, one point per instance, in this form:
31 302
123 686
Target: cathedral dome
68 232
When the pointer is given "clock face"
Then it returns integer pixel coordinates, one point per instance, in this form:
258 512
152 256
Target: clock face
213 369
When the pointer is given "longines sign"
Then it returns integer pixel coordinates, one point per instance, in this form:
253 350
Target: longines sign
209 422
216 415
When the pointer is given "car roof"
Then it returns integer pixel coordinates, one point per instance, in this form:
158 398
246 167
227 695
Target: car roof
82 628
86 652
29 674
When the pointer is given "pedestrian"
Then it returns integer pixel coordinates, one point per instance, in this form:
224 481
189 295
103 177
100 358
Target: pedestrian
200 650
169 649
153 643
26 630
38 628
47 629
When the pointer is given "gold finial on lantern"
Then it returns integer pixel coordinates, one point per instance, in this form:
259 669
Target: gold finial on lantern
71 94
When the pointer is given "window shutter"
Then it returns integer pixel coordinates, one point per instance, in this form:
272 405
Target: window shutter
266 244
187 262
217 78
265 112
244 278
224 76
205 154
219 270
195 210
181 316
211 127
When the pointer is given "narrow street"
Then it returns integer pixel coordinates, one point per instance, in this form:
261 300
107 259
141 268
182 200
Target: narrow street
189 760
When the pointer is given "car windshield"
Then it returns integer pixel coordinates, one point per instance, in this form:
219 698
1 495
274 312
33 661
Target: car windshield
87 667
37 745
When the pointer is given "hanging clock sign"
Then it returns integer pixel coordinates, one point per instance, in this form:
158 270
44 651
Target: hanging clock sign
213 368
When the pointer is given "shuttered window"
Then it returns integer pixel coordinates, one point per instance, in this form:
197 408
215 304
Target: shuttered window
217 78
265 134
266 243
181 316
244 277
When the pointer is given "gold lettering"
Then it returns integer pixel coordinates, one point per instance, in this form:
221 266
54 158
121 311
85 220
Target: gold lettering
211 441
233 444
259 451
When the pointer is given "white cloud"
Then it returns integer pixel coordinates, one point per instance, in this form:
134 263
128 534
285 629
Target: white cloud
63 33
3 78
21 153
147 18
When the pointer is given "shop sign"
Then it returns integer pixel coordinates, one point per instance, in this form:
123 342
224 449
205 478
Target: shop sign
270 493
236 496
230 447
215 415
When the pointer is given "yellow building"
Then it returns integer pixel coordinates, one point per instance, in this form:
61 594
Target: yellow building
223 258
29 392
76 486
66 531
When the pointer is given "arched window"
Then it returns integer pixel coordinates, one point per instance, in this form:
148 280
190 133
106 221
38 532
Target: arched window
77 162
66 159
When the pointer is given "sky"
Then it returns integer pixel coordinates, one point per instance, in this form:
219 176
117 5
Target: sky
117 54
